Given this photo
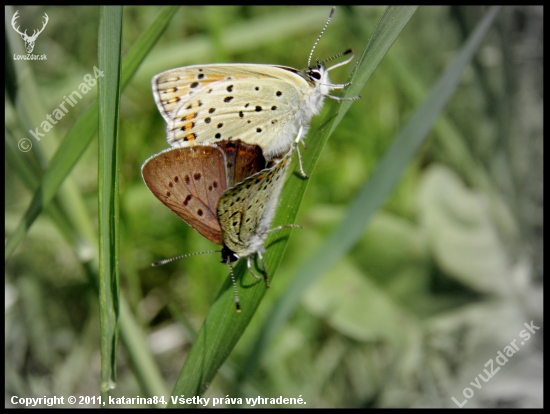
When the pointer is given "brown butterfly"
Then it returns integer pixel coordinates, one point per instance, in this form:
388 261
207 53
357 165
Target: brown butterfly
190 181
224 192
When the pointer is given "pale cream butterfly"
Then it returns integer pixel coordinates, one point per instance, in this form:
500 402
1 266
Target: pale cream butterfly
266 105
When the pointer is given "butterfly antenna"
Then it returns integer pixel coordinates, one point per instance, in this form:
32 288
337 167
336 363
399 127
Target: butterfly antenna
237 301
345 62
320 34
163 262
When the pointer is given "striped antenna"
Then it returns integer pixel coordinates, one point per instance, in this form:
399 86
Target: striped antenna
347 52
163 262
235 293
320 34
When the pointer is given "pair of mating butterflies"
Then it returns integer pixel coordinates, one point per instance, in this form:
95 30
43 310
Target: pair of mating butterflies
233 129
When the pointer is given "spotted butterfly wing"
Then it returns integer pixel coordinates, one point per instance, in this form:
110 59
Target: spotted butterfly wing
245 211
190 181
266 105
259 104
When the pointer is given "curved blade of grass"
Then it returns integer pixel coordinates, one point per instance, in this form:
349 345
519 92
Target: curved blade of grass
31 182
223 326
26 111
375 190
80 135
109 47
29 178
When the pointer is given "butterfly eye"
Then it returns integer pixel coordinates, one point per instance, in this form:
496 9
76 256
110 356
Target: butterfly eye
315 74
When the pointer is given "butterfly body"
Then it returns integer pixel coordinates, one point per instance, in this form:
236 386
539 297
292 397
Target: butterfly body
245 212
265 105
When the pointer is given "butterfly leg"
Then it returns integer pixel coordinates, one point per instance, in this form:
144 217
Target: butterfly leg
345 62
300 138
265 269
339 98
302 172
284 226
249 264
337 85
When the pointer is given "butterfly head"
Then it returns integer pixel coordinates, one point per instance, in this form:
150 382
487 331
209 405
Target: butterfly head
318 77
228 255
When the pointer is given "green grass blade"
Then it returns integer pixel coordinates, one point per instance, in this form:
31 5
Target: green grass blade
27 113
72 148
223 326
109 61
375 190
388 28
64 160
24 171
81 134
147 371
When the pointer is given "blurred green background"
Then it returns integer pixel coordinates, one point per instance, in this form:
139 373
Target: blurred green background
445 276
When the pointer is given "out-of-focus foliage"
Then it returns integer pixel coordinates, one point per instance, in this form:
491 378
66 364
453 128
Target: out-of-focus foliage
445 276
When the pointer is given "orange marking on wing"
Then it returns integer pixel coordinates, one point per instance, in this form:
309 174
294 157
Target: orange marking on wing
214 78
188 127
190 117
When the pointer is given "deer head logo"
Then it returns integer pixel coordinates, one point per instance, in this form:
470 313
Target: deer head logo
29 40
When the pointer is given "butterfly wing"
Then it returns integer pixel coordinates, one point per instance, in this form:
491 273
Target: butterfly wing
241 160
258 104
190 181
245 211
